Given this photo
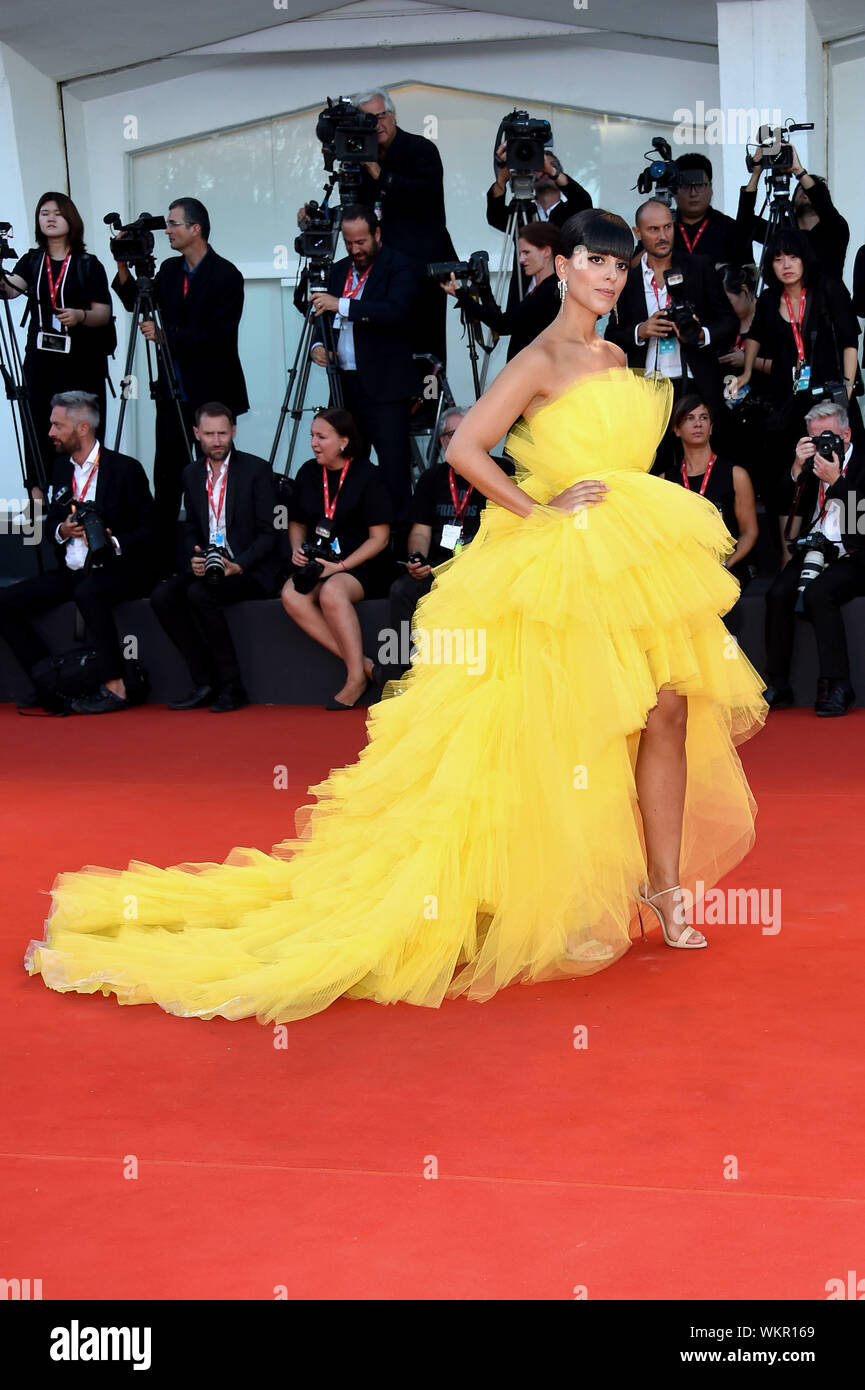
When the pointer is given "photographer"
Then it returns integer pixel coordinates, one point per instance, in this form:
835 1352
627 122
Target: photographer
87 475
834 476
446 513
200 296
539 244
556 198
659 338
371 293
231 546
743 424
70 332
700 228
816 215
406 186
341 516
805 325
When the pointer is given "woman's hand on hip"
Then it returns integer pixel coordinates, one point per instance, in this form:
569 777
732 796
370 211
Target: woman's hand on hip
587 493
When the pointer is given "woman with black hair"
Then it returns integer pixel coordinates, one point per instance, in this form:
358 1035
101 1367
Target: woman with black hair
70 332
804 322
341 504
563 753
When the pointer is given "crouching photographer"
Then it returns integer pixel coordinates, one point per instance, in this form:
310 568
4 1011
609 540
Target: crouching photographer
339 532
539 244
828 564
101 521
445 516
232 548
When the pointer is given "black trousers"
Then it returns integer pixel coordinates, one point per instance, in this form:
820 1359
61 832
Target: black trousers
169 460
405 594
93 594
428 331
192 613
384 426
824 597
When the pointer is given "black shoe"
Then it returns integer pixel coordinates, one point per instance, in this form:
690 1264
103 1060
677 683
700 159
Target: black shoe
196 699
105 702
778 696
338 704
833 698
230 697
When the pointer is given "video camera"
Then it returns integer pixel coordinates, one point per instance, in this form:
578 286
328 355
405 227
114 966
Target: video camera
663 178
134 242
316 243
7 252
525 141
774 141
348 137
474 273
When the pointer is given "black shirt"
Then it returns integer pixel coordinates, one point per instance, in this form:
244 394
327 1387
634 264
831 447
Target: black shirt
85 283
432 505
720 489
828 327
363 502
828 237
721 240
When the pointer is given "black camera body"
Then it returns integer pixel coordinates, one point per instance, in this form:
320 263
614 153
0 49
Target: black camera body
828 446
134 242
473 274
214 570
661 178
525 140
680 309
306 579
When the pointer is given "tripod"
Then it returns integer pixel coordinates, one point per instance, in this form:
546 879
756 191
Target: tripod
298 375
12 371
781 214
147 309
518 217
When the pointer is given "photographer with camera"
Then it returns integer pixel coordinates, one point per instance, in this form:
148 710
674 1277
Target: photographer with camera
371 293
200 297
805 325
101 520
231 546
744 421
445 515
700 228
70 331
555 196
339 532
673 316
816 215
539 244
828 567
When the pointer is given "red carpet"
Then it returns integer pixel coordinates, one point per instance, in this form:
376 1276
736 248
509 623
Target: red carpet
303 1167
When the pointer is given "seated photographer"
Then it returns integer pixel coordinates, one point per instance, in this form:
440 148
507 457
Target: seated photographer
339 531
232 548
815 213
678 335
446 513
805 325
720 480
828 567
701 229
70 332
100 518
539 244
371 294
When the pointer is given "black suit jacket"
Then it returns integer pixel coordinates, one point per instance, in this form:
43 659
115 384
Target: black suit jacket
524 320
250 501
498 207
124 501
381 320
702 286
201 327
411 192
850 485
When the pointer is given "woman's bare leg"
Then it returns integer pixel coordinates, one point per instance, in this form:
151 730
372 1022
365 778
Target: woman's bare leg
304 609
338 598
661 774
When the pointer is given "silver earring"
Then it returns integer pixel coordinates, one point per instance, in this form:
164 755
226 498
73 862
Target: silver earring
563 290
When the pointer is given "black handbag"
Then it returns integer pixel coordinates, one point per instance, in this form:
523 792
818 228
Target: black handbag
73 675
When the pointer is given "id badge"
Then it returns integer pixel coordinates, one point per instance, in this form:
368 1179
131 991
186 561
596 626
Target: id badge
218 538
53 342
803 379
667 346
450 536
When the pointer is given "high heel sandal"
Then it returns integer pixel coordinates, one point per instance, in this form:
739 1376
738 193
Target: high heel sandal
684 941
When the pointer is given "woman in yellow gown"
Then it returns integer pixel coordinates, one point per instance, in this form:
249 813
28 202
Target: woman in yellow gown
564 742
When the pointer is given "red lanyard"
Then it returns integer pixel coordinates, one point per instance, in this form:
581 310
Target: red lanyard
460 503
53 289
706 476
665 291
797 325
330 507
185 283
79 497
218 511
699 232
348 293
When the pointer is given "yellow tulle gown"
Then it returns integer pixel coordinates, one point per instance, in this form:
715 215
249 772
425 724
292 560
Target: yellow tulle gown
489 832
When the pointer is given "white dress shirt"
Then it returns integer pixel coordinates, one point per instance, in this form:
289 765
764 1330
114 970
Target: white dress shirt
345 342
667 361
75 553
830 524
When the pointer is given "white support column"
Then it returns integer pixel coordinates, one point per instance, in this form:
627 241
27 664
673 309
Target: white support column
770 59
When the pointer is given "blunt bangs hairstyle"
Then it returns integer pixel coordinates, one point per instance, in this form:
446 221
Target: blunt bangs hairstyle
67 209
790 241
604 233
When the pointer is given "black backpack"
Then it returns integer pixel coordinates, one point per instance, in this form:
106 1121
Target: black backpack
73 675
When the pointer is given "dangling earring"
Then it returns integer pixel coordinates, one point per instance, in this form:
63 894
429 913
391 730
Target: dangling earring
563 291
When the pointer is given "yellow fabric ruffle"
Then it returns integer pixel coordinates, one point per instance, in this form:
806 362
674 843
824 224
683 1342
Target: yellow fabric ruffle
492 820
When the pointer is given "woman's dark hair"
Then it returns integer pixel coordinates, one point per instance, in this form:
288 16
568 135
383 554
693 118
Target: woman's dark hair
605 233
67 209
343 422
684 407
790 241
542 234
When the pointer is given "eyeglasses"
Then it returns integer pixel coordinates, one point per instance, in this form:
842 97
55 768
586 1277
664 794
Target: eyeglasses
170 223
